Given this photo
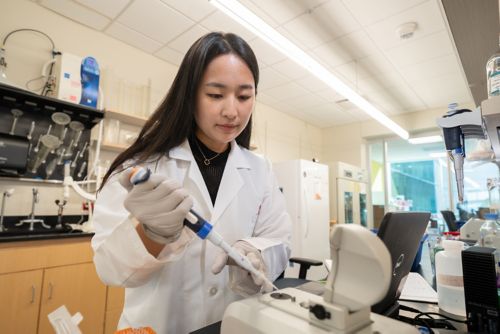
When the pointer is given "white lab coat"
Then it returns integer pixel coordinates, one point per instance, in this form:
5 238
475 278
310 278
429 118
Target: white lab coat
177 292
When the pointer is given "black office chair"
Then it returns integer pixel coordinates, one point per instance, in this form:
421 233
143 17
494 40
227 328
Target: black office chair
288 282
450 219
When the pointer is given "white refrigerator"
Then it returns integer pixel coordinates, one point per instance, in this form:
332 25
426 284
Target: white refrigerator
305 186
349 194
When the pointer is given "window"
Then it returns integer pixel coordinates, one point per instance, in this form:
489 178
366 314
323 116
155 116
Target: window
410 177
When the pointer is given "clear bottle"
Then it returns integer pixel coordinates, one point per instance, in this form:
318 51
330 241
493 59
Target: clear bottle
449 278
493 74
490 231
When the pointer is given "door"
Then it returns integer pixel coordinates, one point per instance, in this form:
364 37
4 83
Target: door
348 202
363 206
20 296
352 202
79 288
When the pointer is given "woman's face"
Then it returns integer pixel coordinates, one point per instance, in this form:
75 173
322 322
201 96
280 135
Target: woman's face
224 101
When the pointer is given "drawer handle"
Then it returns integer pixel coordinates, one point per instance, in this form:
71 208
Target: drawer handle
33 292
51 288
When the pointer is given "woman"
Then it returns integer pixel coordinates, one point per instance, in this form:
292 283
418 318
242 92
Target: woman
196 144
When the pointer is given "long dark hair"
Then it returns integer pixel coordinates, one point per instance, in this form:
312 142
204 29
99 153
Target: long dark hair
173 121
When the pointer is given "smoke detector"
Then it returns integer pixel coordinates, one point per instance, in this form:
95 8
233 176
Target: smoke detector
406 30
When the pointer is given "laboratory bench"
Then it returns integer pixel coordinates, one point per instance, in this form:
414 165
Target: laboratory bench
39 275
11 231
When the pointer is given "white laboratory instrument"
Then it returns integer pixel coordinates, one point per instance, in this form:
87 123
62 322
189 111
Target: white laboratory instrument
457 125
470 230
483 122
360 277
76 79
305 187
348 194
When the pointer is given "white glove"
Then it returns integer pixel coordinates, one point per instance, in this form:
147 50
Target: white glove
160 204
240 280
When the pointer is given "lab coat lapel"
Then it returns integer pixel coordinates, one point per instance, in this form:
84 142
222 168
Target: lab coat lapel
231 182
195 180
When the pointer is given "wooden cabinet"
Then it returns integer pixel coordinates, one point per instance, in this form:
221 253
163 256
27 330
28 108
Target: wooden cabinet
79 288
20 295
114 307
37 277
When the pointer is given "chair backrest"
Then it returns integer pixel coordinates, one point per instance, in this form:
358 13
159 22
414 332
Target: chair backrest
449 218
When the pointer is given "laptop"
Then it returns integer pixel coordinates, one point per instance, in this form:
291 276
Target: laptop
401 233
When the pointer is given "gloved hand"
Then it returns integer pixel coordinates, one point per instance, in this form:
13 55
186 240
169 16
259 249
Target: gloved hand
160 204
240 280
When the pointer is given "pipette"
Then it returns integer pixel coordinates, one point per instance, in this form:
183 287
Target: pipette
203 229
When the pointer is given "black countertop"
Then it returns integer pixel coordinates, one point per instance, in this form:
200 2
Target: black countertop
12 233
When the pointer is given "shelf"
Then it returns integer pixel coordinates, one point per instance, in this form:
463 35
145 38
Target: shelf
113 147
43 106
126 118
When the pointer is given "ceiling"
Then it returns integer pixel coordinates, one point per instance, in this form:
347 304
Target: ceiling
355 39
474 25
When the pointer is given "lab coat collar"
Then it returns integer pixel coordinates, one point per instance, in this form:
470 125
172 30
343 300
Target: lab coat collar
236 156
231 182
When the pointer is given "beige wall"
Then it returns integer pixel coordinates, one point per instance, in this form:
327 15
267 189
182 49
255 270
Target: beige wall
277 136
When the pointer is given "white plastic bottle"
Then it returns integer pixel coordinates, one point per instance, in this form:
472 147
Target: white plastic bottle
493 74
490 231
449 278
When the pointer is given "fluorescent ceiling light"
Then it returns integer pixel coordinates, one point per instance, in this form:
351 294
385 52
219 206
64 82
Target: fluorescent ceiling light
425 140
255 24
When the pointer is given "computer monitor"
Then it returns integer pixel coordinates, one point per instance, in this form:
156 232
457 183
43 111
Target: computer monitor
401 233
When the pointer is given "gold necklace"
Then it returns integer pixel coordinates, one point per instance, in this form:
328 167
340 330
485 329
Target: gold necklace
206 161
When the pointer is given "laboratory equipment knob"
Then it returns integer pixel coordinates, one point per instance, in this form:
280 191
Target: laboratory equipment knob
319 312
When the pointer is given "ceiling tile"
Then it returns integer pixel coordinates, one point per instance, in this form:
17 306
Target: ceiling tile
427 16
271 78
265 53
367 12
313 84
265 99
283 10
219 21
381 82
172 56
450 88
306 102
421 50
109 8
322 25
184 41
359 114
330 95
330 56
286 91
132 37
77 12
447 64
329 115
155 19
346 49
290 69
372 65
194 9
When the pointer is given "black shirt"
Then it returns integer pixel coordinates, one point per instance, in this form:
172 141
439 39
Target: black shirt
211 165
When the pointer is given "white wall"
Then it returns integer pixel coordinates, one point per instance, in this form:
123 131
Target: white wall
277 135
